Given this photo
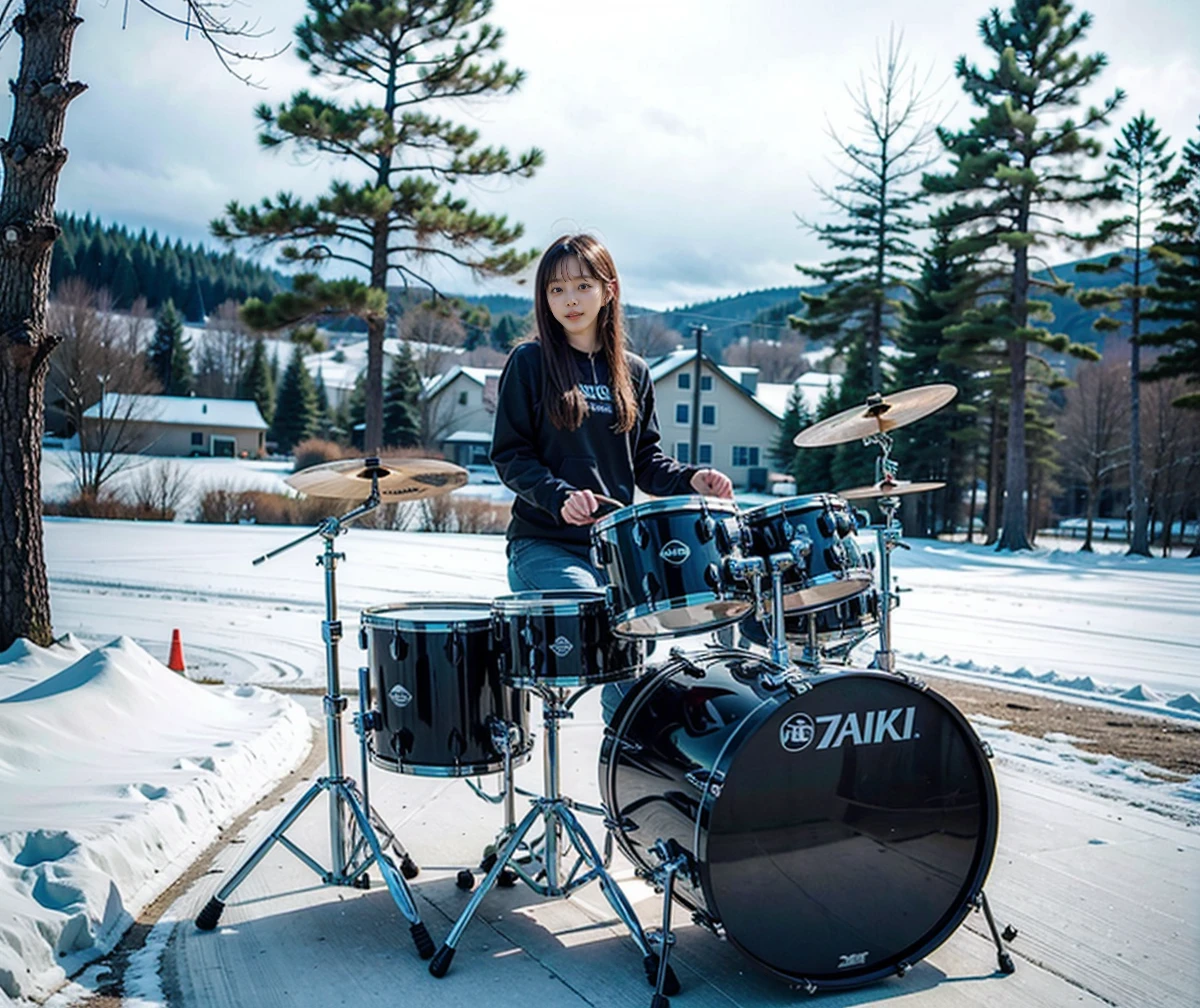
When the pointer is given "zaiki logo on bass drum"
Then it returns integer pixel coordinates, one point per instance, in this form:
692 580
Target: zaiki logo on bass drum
856 728
675 552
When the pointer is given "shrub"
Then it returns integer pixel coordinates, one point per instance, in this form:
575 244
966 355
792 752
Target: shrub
473 515
106 505
223 506
157 489
316 451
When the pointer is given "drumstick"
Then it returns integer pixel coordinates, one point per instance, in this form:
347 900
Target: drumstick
605 505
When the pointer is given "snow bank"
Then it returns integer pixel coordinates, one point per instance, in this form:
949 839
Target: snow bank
1056 758
114 773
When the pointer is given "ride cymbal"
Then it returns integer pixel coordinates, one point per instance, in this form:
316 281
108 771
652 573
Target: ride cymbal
880 413
885 489
400 479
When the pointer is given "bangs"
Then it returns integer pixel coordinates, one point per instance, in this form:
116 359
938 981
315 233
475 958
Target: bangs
566 262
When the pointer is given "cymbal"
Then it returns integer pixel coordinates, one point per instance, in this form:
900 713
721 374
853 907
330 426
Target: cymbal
876 416
885 489
400 479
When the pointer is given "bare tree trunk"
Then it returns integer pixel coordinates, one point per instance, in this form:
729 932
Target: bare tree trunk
1091 519
1013 534
33 157
974 493
995 469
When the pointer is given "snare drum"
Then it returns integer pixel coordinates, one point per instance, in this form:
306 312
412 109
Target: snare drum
560 639
665 564
834 567
443 711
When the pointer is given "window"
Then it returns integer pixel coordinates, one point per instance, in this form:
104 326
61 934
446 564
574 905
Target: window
685 380
197 438
682 413
706 383
682 451
705 454
708 415
745 456
462 398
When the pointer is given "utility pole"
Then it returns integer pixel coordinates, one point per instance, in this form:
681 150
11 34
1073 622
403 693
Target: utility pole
694 451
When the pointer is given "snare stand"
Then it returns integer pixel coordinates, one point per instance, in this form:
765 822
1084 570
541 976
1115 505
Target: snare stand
350 861
557 811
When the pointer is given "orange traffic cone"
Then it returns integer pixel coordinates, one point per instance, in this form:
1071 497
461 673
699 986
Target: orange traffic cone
175 662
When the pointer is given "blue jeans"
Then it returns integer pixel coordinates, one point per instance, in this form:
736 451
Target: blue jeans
545 565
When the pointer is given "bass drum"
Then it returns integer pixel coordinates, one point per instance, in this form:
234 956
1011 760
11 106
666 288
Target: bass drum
839 826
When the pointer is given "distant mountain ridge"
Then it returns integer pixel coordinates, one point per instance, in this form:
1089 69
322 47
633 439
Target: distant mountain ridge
763 313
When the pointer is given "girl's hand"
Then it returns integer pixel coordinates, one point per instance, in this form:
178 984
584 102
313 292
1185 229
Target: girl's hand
710 483
579 507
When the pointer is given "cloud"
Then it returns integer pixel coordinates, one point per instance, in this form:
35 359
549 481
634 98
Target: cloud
687 134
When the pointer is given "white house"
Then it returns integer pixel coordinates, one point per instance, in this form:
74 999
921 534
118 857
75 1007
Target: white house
736 428
458 408
179 425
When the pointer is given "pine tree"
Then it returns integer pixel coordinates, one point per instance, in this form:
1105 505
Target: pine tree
812 468
401 402
399 57
256 382
1015 174
169 355
795 419
296 408
506 332
1140 165
325 418
873 251
1176 290
940 447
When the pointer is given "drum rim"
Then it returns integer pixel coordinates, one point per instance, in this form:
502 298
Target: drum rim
566 602
569 682
682 502
644 609
409 769
772 508
827 579
928 942
374 616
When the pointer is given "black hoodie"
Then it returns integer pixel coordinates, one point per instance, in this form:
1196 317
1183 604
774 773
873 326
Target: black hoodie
542 465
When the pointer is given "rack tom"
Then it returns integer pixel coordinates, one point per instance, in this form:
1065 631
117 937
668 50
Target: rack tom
665 565
560 639
442 709
818 529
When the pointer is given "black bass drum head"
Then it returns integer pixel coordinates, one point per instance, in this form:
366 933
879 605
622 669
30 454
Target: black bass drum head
852 828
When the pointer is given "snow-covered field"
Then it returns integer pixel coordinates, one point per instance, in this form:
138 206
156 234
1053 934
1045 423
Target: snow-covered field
115 773
1094 628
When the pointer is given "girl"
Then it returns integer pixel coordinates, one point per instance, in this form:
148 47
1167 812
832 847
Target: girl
575 423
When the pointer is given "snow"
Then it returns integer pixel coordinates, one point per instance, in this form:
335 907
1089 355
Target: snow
115 773
187 411
112 733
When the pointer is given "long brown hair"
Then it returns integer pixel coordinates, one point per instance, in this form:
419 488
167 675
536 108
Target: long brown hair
564 399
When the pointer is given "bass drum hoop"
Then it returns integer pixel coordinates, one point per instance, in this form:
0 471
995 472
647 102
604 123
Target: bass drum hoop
918 950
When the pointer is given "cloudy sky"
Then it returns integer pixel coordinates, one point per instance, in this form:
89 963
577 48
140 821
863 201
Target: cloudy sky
686 133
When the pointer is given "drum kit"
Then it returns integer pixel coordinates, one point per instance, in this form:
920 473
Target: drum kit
835 824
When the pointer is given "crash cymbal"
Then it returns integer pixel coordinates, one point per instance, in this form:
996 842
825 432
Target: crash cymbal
885 489
876 416
400 479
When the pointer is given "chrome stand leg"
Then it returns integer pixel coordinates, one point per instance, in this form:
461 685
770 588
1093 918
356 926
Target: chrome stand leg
665 982
555 811
348 863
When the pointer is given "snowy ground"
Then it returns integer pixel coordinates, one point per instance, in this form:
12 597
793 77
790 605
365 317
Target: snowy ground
1101 628
115 772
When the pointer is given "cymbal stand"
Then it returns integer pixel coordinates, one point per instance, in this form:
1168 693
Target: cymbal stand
556 811
887 538
350 857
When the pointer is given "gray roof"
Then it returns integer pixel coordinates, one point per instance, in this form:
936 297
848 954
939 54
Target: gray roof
182 411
